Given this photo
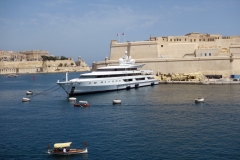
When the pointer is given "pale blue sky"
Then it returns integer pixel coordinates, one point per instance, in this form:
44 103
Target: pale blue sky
86 27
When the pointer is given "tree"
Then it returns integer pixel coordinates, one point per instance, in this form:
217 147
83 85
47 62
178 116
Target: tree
63 58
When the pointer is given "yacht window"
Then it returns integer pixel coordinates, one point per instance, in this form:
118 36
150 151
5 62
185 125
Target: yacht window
139 79
150 77
95 82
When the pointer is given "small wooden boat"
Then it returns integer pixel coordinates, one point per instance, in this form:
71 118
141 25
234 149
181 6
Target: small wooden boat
199 100
29 93
82 104
117 101
64 149
26 99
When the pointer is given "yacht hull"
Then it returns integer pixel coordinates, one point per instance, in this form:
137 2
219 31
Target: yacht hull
81 88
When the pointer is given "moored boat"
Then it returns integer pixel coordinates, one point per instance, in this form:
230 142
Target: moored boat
64 149
82 104
109 78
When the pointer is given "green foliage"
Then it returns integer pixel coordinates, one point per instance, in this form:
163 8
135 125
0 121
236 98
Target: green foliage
51 58
60 65
63 58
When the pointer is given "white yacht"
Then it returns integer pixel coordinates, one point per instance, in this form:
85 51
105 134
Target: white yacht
123 76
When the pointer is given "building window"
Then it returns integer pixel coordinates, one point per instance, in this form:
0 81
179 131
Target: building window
190 40
161 45
201 54
179 39
185 39
199 40
210 54
170 39
194 40
205 54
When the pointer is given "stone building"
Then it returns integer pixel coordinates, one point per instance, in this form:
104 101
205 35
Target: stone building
206 53
32 62
30 55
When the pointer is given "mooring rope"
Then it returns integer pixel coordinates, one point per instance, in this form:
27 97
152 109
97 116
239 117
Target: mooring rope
47 90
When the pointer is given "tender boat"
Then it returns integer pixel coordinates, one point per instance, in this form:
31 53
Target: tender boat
117 101
26 99
199 100
82 104
29 93
109 78
64 149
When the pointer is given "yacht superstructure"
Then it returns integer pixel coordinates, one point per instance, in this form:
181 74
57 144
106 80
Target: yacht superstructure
109 78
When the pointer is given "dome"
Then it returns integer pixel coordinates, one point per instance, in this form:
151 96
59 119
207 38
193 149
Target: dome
120 61
132 61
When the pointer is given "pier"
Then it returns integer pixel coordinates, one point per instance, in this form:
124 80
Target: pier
201 82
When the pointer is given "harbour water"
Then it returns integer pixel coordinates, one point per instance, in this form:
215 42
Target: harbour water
159 122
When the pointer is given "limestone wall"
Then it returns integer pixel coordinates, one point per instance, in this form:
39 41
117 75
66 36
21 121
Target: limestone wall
21 64
134 49
42 66
205 65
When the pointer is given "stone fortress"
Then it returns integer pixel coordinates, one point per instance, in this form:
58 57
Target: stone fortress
203 54
32 62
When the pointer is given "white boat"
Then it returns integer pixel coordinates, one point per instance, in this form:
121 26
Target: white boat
26 99
117 101
199 100
64 149
123 76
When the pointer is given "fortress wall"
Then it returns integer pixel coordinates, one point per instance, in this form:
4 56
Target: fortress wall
117 51
136 50
65 69
22 64
42 67
176 50
206 65
142 51
57 63
235 65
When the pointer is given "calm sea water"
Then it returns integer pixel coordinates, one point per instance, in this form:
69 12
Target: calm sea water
160 122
